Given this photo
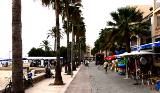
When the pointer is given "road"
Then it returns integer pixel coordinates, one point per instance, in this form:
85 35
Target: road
94 79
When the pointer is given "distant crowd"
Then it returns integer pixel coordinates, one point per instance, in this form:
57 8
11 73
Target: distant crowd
4 64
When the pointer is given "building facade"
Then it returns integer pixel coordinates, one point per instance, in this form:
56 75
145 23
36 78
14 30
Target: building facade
156 21
88 52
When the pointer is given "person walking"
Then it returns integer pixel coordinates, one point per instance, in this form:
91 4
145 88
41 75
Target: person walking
105 65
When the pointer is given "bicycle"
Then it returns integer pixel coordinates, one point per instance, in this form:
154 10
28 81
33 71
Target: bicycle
8 87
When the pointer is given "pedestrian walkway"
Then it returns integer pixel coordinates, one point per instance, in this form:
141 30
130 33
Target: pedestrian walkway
45 87
111 82
81 83
94 79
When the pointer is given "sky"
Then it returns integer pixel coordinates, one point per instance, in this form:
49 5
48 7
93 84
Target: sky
37 20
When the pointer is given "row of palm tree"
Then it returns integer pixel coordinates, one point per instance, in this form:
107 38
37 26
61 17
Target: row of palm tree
127 23
71 16
73 22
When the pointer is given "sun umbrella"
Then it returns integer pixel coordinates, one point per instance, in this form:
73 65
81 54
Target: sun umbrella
124 54
141 53
110 57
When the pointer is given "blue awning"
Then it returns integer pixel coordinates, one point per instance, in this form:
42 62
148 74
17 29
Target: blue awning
156 44
148 45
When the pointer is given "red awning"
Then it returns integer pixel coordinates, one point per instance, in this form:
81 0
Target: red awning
109 58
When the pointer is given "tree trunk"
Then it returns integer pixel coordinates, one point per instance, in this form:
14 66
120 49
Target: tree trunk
79 52
128 48
68 52
69 58
58 77
68 48
55 43
17 63
73 52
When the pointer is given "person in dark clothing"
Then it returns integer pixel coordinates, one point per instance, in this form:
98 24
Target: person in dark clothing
48 72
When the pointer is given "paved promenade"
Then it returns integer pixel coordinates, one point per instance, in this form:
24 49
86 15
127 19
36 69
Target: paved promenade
45 87
94 79
81 83
111 82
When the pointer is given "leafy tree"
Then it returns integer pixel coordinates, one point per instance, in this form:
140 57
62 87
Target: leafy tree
39 52
94 51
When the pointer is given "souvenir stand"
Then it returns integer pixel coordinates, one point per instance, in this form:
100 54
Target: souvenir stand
109 60
121 67
124 64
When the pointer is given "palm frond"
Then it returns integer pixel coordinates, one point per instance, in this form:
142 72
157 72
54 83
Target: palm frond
115 16
109 23
47 2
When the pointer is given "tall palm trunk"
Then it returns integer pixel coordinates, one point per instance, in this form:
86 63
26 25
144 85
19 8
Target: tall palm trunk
79 49
17 65
58 77
55 43
73 50
68 50
68 54
128 48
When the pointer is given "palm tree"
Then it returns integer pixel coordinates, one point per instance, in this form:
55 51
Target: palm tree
67 31
52 33
82 46
66 18
17 63
45 44
124 20
58 77
74 12
80 32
